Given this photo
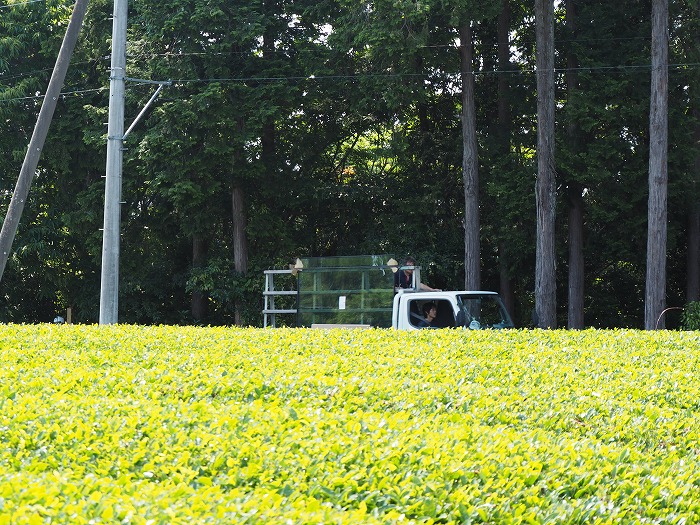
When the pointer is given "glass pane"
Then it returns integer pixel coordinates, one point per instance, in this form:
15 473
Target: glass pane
484 311
346 290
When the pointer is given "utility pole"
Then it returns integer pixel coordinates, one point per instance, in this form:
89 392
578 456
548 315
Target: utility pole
657 228
41 129
109 288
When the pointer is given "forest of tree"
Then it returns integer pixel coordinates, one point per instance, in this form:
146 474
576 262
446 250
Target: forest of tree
303 128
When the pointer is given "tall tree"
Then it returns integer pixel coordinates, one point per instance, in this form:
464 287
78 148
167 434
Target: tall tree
574 191
503 139
506 90
470 165
274 143
606 161
655 297
545 273
693 258
693 235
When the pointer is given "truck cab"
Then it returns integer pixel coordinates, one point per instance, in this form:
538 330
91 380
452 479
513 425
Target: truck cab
455 309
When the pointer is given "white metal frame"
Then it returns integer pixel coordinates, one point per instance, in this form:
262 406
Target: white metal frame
269 293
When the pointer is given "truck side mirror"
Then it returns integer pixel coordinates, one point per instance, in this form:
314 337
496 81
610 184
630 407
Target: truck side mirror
461 318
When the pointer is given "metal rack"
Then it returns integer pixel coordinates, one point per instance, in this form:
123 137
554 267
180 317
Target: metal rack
270 311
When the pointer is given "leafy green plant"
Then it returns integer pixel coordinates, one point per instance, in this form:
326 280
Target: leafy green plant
690 319
179 425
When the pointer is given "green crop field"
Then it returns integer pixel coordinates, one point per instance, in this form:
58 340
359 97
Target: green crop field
173 425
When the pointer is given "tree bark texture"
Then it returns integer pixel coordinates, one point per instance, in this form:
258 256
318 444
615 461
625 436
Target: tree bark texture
545 276
655 296
470 166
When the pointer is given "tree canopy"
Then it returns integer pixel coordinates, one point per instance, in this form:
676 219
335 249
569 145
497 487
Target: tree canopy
328 127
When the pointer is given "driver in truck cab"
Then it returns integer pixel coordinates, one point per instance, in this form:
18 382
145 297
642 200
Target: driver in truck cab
429 315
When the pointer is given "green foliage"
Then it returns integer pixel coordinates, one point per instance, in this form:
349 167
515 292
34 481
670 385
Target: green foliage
166 425
690 318
339 122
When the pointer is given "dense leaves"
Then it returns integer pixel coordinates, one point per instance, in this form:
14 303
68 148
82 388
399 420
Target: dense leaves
338 124
211 425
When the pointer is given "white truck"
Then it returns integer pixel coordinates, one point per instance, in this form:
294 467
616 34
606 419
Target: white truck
360 292
455 309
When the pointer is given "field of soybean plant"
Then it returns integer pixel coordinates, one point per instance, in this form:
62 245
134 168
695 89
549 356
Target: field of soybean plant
176 425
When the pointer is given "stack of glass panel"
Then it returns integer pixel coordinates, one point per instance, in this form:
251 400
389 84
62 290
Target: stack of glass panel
346 290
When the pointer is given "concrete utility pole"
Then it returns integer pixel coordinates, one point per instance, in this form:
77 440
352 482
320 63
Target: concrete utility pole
109 289
41 129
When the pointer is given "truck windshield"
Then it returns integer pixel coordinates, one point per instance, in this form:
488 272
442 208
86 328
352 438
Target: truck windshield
478 311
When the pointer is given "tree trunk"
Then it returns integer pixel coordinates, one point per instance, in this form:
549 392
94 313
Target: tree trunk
575 192
503 134
655 297
199 298
692 288
693 271
470 166
545 276
240 242
576 261
240 223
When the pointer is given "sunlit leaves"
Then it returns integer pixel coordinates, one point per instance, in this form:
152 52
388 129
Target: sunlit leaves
128 424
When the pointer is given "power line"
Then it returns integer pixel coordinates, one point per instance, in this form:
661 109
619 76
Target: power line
7 76
389 76
171 55
63 94
515 42
26 2
516 71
